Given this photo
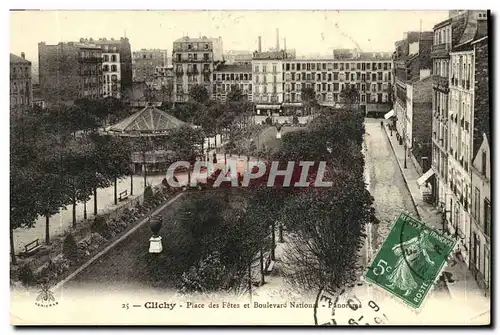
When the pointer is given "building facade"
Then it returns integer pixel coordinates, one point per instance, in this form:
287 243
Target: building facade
21 90
419 121
69 71
226 77
145 62
194 60
480 230
112 74
121 46
267 81
460 118
411 63
369 73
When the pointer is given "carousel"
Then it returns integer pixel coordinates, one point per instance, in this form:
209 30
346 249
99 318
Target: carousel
148 130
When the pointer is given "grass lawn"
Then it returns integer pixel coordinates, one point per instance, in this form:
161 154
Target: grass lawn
126 264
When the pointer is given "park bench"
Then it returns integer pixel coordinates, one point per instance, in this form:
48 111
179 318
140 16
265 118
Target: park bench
32 247
123 195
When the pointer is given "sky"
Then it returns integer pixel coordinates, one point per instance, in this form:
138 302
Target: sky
308 32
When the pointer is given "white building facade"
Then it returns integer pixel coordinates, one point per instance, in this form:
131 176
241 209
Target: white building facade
461 109
267 78
111 71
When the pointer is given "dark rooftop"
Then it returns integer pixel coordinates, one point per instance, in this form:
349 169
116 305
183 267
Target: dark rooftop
18 60
234 68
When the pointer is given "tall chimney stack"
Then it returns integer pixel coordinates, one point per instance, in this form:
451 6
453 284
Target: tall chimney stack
23 55
260 44
284 43
277 39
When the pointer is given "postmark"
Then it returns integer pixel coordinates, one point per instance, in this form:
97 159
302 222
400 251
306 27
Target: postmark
347 306
410 260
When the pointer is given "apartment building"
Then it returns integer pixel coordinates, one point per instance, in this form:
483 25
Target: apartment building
111 68
194 60
480 246
461 114
226 77
412 63
418 119
267 81
369 73
122 47
21 90
145 62
69 71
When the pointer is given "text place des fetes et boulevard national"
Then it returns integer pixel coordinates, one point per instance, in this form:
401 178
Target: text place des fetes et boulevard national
250 172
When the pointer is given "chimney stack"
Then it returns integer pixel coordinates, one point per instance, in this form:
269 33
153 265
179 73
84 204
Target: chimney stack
277 39
260 44
284 43
23 55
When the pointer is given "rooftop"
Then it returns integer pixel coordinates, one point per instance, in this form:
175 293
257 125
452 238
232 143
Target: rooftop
18 60
194 39
234 68
148 121
269 55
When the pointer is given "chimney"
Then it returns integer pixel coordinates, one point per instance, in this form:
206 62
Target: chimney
277 39
284 43
260 44
23 55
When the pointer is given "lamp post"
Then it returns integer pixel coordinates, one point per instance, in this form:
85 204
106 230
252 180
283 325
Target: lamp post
404 140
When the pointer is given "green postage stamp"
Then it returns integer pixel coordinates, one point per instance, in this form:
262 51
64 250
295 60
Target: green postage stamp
410 260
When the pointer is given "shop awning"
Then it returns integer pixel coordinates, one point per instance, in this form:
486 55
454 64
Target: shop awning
292 104
268 106
423 179
389 114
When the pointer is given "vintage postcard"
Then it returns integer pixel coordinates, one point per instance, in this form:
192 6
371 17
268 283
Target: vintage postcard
250 168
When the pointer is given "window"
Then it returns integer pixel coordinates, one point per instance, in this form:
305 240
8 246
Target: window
106 58
113 58
105 68
274 68
487 217
335 66
195 56
483 162
476 207
256 69
264 68
113 68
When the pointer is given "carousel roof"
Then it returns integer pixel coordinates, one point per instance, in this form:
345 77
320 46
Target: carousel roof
150 121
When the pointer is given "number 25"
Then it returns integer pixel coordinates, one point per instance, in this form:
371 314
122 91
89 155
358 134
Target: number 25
382 265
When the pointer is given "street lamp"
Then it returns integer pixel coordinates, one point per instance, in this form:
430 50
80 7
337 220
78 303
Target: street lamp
404 140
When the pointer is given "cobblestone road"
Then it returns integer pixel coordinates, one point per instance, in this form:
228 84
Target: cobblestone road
386 184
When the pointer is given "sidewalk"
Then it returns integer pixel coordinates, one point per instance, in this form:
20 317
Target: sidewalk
464 287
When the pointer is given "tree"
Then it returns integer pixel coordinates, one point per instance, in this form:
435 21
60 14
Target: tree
167 91
349 98
199 93
235 94
184 142
308 96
